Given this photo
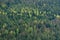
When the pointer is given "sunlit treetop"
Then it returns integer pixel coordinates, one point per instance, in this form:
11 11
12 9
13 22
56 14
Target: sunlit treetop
57 16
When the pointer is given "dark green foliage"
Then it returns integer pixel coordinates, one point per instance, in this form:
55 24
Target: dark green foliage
29 20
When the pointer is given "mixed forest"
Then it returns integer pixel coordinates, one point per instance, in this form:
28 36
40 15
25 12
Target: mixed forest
29 19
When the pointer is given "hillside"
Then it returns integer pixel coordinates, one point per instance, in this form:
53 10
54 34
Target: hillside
29 19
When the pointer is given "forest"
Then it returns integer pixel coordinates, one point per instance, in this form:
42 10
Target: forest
29 19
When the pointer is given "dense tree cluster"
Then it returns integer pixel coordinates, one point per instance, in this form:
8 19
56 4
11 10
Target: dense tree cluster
29 20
